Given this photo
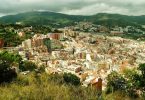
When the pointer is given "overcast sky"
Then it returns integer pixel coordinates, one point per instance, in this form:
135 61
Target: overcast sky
75 7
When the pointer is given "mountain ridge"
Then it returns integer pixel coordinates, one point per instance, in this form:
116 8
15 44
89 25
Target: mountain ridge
54 19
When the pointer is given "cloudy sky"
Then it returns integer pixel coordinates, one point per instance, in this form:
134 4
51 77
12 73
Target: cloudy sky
75 7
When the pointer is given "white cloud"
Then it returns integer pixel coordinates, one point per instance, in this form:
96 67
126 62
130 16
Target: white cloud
96 8
85 7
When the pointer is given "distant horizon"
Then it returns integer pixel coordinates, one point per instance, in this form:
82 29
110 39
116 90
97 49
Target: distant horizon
66 13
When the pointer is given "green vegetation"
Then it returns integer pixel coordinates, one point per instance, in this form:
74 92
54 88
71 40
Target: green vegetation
71 79
27 66
115 82
142 69
60 20
7 61
44 87
10 58
131 82
10 37
41 86
38 18
133 36
9 33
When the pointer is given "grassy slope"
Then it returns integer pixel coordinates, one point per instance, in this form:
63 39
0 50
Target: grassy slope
44 87
50 87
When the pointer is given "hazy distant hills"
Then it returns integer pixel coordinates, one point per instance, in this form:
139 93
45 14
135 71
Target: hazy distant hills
58 19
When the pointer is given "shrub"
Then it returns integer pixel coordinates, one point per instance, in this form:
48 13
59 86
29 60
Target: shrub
142 69
71 78
27 65
6 72
115 82
131 82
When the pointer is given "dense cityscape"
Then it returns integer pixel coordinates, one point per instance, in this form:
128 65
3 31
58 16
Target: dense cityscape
57 56
91 56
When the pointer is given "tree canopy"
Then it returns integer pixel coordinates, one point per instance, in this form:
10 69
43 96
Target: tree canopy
7 60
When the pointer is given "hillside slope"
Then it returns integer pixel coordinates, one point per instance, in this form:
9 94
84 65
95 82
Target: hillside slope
58 19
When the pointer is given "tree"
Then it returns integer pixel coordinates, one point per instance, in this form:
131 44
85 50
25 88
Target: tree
130 82
142 78
27 65
133 82
115 82
71 78
7 73
142 69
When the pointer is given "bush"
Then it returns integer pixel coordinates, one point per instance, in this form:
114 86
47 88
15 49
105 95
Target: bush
142 69
7 75
131 82
27 65
6 72
115 82
71 78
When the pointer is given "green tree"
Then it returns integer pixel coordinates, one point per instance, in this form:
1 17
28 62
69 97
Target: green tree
115 82
71 78
142 69
142 77
133 82
27 66
7 73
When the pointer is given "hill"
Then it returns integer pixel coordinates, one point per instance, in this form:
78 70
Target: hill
61 20
41 18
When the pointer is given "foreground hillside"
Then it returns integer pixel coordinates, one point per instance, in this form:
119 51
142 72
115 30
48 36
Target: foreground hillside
50 87
58 19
